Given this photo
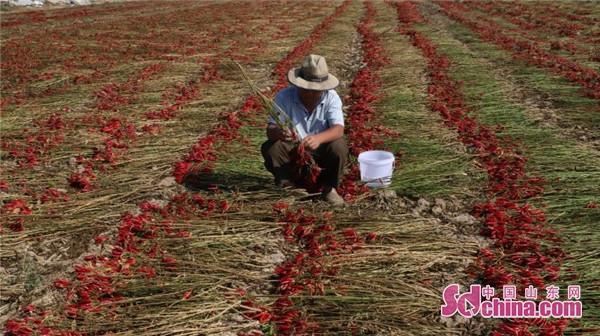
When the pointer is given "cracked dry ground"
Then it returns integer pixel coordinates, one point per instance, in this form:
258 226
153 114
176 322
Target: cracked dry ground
211 264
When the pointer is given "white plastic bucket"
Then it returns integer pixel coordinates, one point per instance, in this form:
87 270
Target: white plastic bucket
376 168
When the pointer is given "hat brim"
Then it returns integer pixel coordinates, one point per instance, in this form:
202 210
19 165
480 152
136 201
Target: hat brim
294 77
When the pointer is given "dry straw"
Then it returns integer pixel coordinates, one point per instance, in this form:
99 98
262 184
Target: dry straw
275 111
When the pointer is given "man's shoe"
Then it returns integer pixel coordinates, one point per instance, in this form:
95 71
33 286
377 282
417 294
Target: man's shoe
333 198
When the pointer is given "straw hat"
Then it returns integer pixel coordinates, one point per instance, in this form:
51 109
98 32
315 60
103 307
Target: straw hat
313 74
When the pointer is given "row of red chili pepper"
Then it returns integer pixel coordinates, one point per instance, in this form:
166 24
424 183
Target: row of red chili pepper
136 251
558 21
73 59
111 95
574 12
33 17
529 51
541 21
120 134
308 271
63 52
554 29
137 244
524 250
363 131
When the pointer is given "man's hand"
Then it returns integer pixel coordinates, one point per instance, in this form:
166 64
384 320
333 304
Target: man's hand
285 135
312 142
275 133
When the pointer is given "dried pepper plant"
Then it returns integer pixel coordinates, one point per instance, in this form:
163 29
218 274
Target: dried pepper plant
274 110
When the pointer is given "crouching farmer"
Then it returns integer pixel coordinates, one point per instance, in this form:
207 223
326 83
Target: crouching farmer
315 110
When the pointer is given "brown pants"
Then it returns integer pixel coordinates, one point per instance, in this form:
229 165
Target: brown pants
331 157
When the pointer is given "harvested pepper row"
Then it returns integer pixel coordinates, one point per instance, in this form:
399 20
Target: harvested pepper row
318 241
524 250
135 249
529 51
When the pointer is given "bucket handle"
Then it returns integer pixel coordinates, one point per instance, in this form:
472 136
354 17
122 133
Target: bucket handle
380 179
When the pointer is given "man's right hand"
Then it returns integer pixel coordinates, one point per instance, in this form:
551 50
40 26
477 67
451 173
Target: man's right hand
285 135
275 133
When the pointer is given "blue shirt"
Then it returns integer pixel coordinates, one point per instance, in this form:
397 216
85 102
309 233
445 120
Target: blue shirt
327 113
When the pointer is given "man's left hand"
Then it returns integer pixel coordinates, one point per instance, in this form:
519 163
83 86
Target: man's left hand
312 142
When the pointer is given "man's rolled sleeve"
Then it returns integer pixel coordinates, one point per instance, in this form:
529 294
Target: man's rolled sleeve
334 114
279 101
